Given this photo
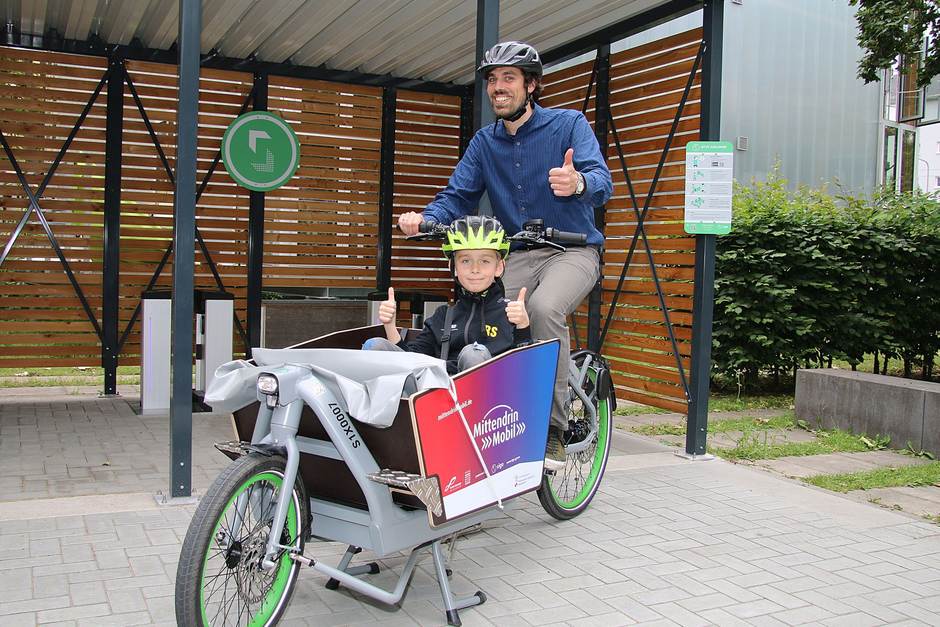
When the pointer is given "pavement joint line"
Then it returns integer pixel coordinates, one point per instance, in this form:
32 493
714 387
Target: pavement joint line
77 506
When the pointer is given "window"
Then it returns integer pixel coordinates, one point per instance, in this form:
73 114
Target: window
891 157
910 96
908 140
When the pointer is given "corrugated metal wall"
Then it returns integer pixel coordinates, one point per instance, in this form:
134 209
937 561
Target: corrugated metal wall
789 84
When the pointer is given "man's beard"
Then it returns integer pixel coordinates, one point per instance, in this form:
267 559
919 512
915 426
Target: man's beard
516 113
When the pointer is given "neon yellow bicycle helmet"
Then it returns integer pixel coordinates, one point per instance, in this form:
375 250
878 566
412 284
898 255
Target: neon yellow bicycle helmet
476 233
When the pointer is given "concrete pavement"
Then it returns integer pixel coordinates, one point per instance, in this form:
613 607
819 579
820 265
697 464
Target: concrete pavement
666 541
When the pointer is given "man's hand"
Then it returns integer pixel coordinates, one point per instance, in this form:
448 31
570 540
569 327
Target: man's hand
564 180
516 312
409 222
387 311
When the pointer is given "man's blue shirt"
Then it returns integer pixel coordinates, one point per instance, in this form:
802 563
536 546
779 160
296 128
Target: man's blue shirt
513 170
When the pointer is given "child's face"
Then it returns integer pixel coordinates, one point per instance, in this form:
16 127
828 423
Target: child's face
477 269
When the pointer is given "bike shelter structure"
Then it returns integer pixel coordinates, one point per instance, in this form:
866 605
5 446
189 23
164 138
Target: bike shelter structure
644 104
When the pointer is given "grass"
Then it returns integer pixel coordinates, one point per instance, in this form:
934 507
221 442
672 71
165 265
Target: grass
64 376
747 423
753 446
719 402
891 477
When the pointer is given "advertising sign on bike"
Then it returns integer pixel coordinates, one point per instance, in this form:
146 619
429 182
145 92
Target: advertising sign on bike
503 409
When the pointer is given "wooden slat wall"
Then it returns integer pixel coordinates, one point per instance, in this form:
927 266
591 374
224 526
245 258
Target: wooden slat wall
427 146
40 100
646 84
321 229
147 190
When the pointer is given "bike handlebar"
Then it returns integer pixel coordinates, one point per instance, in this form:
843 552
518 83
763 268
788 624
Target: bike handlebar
533 234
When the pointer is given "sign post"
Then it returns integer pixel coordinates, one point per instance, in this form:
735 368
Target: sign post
260 151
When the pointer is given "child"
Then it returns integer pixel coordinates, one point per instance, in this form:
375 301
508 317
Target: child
482 321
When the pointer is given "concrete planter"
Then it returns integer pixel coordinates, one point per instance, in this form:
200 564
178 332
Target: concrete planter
905 409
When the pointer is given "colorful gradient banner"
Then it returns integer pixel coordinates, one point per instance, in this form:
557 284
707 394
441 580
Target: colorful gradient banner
506 403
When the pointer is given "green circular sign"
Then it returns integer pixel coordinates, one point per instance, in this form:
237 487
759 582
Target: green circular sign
260 151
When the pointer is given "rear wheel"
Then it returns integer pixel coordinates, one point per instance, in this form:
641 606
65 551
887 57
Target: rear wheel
567 492
220 579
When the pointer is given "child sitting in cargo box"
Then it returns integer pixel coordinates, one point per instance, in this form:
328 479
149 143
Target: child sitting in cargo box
482 322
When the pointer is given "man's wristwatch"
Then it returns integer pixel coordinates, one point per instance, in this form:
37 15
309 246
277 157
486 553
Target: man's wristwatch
579 188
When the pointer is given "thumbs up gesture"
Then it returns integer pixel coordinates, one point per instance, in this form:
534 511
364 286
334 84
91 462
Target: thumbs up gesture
388 308
516 312
564 180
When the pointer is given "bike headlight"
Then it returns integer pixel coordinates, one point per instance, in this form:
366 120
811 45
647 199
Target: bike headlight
267 384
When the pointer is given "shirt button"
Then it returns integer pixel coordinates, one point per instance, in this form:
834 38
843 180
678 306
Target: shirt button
517 165
518 186
518 143
522 209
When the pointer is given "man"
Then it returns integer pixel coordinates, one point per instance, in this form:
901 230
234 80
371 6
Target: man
516 161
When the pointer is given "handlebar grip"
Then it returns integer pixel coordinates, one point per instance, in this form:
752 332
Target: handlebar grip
428 226
564 237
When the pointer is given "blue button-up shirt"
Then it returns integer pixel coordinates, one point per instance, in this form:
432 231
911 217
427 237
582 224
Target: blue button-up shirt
513 170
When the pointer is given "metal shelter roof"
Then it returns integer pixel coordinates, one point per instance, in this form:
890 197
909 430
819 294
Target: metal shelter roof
428 40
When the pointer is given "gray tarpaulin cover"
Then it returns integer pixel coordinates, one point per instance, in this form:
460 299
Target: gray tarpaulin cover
369 382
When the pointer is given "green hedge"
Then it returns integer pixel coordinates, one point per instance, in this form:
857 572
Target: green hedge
806 277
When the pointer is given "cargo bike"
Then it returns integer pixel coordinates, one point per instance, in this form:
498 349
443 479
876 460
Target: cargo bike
379 451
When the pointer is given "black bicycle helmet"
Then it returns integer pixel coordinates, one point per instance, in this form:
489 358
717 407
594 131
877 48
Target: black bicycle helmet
511 53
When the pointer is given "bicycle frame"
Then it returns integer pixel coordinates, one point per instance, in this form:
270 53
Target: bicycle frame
384 528
576 378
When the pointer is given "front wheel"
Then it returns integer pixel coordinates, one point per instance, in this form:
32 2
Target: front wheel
568 492
220 579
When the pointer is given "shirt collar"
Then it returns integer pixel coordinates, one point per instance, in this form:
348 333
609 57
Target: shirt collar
535 120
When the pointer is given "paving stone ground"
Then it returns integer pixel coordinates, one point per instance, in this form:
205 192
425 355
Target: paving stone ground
921 501
666 542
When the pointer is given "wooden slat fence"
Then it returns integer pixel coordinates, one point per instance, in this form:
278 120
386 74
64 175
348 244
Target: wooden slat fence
646 86
321 230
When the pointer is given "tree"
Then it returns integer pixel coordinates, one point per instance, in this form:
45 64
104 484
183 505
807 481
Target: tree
888 29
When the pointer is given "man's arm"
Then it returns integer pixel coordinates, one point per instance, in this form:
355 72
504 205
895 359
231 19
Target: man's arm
459 198
463 190
591 163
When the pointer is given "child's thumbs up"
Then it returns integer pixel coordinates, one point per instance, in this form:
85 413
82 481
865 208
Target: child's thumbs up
516 313
387 309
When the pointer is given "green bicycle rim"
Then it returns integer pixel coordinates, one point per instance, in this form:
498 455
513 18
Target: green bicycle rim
269 604
603 432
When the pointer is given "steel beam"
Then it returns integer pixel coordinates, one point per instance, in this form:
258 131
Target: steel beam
184 230
704 290
256 236
110 271
383 265
601 115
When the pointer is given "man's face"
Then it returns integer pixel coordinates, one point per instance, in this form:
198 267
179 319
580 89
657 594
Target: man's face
507 89
477 269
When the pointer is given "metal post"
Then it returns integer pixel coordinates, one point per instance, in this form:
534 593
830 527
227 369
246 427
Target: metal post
466 119
601 115
487 37
184 230
383 263
110 271
704 291
256 236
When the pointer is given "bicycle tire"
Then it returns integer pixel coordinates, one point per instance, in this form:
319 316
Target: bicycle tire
215 581
568 492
